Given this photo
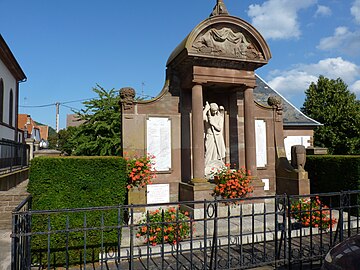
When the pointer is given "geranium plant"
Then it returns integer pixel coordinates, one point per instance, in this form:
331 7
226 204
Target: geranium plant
232 184
311 212
169 225
140 171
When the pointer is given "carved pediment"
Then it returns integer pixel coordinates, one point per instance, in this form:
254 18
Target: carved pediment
226 42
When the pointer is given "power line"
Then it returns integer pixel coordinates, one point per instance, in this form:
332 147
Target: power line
53 104
72 108
37 106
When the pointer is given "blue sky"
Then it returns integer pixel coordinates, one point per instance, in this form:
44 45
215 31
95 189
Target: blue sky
67 47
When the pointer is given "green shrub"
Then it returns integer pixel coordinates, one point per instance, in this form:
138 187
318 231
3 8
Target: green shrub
75 182
331 173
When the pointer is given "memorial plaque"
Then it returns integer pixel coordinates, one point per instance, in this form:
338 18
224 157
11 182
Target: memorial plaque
158 193
158 138
267 184
261 149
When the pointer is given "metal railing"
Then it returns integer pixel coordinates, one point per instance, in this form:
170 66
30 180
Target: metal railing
13 156
281 231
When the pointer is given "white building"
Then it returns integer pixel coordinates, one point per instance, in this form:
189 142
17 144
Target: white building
11 75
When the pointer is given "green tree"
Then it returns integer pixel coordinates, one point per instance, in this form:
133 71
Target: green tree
331 103
100 134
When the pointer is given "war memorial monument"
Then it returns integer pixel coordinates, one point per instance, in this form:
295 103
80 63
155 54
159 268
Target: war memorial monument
212 110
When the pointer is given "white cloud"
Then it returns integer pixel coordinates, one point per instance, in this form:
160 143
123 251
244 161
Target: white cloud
343 40
297 80
292 82
278 19
355 87
355 10
323 11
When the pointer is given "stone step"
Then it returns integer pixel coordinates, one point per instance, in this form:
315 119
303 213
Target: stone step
9 200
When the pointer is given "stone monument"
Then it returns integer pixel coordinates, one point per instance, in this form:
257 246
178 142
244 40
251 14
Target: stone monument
206 114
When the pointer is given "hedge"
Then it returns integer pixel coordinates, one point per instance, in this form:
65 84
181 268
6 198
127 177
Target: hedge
75 182
332 173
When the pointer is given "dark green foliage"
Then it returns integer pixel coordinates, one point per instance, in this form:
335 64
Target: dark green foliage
76 182
333 173
331 103
62 141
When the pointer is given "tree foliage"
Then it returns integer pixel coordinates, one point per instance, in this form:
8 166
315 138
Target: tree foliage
100 134
63 140
332 104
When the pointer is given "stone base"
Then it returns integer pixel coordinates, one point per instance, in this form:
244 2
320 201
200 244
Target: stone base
299 184
136 196
196 191
258 187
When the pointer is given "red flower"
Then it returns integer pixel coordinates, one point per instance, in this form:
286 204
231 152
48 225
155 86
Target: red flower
140 171
232 183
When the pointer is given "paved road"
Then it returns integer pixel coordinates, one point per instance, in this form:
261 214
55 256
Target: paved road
5 250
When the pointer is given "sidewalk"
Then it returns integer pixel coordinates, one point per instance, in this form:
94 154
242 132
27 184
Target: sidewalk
5 250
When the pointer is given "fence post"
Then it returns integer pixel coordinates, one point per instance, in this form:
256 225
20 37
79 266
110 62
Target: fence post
215 235
14 242
288 211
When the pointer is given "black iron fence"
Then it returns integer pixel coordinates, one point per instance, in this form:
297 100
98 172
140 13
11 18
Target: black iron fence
284 232
13 156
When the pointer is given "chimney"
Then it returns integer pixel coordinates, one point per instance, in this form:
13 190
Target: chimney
28 120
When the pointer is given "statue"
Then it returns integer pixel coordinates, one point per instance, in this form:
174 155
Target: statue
213 116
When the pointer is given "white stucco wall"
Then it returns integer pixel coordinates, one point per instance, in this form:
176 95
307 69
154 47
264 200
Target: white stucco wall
9 83
295 140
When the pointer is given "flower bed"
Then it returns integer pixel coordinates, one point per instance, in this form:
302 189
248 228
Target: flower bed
232 184
165 226
311 212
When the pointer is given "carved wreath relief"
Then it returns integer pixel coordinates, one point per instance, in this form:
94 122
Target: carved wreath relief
226 42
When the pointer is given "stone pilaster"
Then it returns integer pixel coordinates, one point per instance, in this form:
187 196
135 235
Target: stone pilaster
197 133
249 123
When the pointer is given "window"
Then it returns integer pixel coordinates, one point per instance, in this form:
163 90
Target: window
11 108
1 100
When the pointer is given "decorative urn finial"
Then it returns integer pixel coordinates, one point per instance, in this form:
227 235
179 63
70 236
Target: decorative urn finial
219 9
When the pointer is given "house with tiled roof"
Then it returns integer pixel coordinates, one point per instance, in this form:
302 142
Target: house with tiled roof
30 128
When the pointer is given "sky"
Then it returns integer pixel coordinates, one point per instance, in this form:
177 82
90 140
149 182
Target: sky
68 47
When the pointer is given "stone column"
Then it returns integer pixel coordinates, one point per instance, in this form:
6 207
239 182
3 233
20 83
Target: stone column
30 142
197 133
249 123
37 145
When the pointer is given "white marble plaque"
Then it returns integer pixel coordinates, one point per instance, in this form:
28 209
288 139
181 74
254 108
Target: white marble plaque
267 184
158 193
261 149
158 138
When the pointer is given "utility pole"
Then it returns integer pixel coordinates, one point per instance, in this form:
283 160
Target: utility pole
57 116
